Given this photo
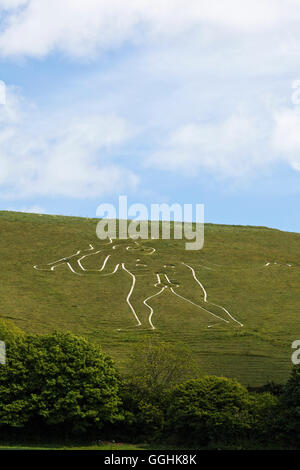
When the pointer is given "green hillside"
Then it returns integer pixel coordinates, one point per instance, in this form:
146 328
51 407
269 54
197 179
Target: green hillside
232 268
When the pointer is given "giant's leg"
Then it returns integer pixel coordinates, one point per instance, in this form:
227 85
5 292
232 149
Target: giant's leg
192 290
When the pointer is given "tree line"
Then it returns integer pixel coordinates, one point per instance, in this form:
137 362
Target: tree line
63 385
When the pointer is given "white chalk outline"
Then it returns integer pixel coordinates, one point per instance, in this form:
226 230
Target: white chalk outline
129 294
151 309
278 264
2 353
205 295
199 306
66 260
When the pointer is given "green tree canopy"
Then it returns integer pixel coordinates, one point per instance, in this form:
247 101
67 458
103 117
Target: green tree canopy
290 403
208 409
58 379
158 366
8 331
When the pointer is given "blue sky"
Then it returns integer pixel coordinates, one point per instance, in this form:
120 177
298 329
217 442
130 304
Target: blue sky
163 101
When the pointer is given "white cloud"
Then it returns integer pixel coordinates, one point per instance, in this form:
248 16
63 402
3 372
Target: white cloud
8 4
60 155
286 136
238 146
199 59
81 28
2 93
233 147
33 210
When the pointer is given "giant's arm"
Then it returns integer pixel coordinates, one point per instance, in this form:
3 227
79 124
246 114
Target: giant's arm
77 262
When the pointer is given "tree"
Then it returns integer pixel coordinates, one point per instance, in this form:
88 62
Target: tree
273 388
157 367
58 379
154 369
290 403
9 332
209 409
263 417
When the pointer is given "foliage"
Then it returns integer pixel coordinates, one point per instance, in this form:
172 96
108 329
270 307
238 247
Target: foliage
154 369
143 413
58 379
209 409
290 408
9 332
270 387
263 417
157 367
58 382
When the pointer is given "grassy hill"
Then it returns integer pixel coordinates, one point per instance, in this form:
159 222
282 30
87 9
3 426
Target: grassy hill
231 268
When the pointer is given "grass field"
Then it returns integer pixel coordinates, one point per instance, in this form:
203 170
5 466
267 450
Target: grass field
231 267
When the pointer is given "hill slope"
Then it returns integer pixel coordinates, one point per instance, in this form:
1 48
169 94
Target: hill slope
201 297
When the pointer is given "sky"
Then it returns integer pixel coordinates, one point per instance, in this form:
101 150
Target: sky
165 101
